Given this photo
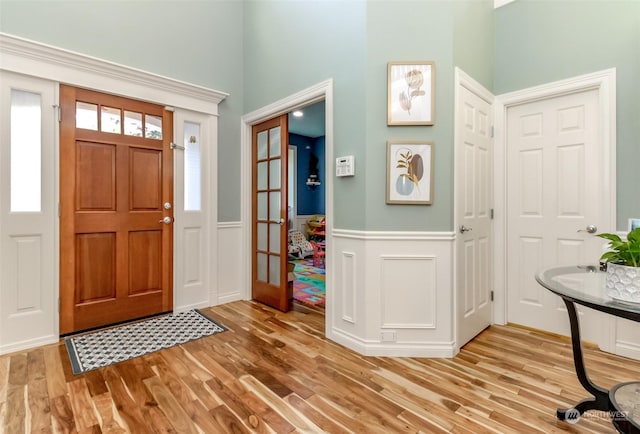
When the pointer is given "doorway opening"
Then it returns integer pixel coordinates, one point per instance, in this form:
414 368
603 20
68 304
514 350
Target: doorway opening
321 92
306 204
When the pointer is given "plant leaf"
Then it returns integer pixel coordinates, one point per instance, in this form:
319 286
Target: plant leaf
610 237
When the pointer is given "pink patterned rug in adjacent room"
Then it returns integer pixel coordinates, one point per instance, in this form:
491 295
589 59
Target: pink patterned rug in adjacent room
308 287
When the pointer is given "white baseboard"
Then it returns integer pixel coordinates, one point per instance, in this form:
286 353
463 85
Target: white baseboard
27 344
397 349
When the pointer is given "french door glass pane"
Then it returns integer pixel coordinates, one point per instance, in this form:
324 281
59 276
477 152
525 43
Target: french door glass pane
274 206
262 175
26 149
262 206
262 236
262 145
274 270
274 142
274 174
262 267
274 238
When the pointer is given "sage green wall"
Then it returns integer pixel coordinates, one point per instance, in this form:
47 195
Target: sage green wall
262 51
290 46
473 40
193 41
405 31
539 42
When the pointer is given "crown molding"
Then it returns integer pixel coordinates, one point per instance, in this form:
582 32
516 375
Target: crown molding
45 61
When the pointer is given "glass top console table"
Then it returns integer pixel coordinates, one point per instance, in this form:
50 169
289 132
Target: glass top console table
584 285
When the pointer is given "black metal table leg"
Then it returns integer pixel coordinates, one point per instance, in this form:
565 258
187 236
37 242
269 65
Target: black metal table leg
600 400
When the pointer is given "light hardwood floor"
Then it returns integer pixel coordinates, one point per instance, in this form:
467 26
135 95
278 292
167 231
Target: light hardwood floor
275 372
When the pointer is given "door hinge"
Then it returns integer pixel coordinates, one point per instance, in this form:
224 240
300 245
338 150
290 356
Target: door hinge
58 305
491 213
491 132
491 295
58 110
59 212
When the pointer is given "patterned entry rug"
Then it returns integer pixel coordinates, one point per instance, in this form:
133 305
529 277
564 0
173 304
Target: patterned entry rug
309 286
105 347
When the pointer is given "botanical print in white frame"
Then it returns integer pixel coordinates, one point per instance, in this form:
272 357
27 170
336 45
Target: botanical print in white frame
410 93
410 172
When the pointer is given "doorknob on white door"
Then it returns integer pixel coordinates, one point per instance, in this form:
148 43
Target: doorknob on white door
592 229
464 229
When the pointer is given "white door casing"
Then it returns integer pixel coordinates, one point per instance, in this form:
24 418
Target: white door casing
28 240
557 184
195 192
473 204
315 93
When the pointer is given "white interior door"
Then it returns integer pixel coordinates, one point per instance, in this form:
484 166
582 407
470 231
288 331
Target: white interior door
194 255
473 196
28 265
555 178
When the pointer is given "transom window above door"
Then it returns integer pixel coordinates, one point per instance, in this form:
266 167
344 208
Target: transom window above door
117 121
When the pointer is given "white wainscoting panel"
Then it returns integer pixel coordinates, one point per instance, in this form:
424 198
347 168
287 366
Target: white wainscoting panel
392 293
230 260
408 278
192 269
348 285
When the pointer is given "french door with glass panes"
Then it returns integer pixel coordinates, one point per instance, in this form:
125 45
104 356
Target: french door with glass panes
269 214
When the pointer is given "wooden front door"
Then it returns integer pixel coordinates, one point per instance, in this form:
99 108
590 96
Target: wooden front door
269 204
116 213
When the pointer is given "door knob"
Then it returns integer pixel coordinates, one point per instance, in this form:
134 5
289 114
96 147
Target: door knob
464 229
167 220
592 229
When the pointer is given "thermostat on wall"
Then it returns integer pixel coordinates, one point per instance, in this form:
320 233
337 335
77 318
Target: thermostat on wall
345 166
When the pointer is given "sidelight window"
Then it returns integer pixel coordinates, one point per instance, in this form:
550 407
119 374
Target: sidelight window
192 167
26 151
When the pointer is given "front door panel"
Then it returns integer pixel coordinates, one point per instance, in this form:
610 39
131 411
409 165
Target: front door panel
116 173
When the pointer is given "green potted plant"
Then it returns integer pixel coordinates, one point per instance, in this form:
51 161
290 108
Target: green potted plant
622 260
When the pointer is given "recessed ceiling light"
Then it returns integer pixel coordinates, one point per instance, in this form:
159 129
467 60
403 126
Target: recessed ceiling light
298 113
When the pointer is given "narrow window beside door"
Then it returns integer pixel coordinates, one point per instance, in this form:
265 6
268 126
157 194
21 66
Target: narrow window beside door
26 151
192 172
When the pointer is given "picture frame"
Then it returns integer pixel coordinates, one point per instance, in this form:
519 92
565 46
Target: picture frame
634 223
411 93
410 172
